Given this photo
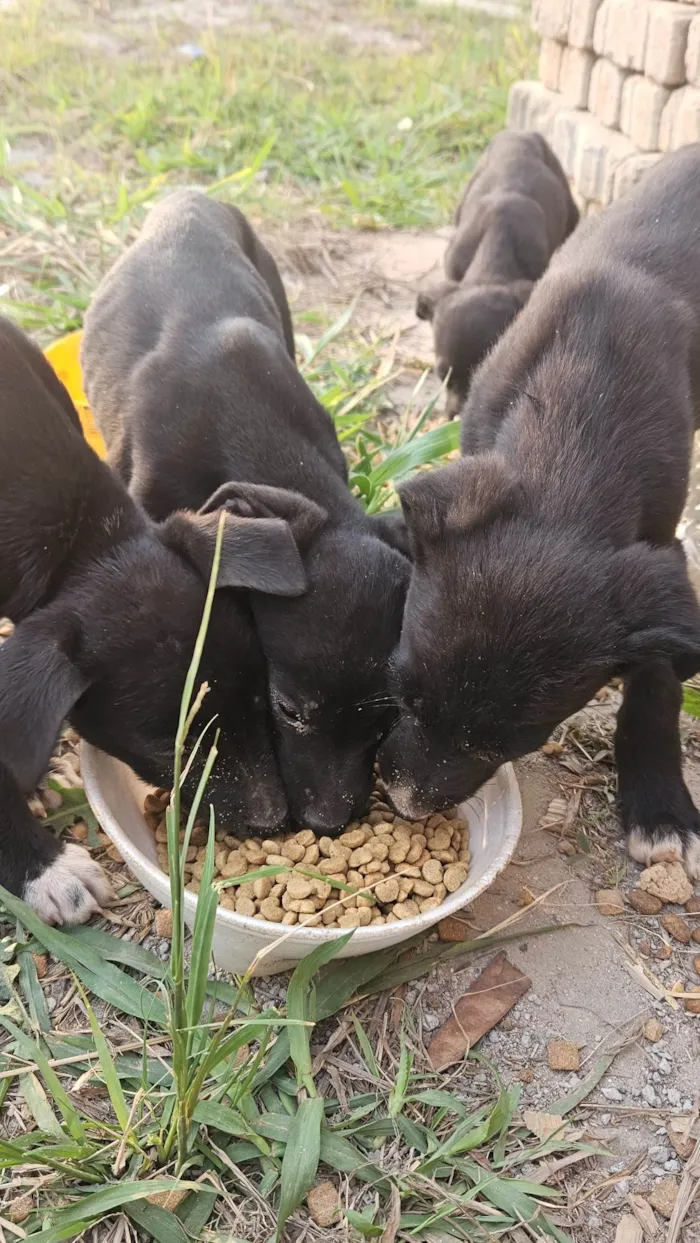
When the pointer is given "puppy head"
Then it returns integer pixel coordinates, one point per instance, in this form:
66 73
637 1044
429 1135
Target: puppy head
327 654
510 628
112 654
467 322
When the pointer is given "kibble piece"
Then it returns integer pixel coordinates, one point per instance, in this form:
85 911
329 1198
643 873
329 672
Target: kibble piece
262 887
278 861
435 820
365 916
563 1055
441 892
329 916
235 865
324 845
380 849
299 886
454 876
432 871
415 852
350 919
292 850
161 833
255 856
302 906
677 928
290 917
354 877
336 880
423 888
398 852
645 903
272 910
306 837
409 869
442 838
371 868
387 890
245 906
278 889
312 855
406 910
329 867
353 839
322 890
228 902
362 855
429 904
363 899
446 856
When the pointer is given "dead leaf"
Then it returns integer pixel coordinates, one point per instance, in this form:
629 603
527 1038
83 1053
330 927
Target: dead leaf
644 1214
543 1125
628 1230
484 1004
393 1221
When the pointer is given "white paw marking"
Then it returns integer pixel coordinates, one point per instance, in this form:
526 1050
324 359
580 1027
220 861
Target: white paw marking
667 849
72 889
692 858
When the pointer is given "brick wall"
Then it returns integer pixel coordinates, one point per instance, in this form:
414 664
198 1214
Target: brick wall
619 84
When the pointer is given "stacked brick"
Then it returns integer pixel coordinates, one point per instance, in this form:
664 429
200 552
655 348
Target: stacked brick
619 84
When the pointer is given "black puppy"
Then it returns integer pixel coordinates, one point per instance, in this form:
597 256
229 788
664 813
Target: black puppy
548 561
188 375
515 212
107 607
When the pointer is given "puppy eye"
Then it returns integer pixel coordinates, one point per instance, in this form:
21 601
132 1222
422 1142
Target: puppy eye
288 711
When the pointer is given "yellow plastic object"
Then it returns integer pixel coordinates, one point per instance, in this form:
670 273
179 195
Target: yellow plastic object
64 356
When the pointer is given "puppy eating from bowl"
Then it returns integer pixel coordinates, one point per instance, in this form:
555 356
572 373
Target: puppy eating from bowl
546 559
188 371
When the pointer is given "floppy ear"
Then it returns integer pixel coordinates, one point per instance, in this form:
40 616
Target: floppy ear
392 530
459 498
662 617
39 684
428 299
257 500
259 554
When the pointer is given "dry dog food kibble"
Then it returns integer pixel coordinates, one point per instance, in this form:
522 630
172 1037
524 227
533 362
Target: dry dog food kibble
395 869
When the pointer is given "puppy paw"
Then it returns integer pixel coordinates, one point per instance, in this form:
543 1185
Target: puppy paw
666 844
70 889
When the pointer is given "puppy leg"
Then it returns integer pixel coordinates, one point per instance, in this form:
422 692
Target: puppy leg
61 882
658 814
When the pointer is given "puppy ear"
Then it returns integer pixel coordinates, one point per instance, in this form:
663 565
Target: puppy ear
662 618
39 684
259 554
465 496
392 530
255 500
428 299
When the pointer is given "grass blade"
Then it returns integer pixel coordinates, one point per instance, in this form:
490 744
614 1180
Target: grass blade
202 937
35 1053
109 1070
159 1223
39 1107
301 1005
98 1204
301 1157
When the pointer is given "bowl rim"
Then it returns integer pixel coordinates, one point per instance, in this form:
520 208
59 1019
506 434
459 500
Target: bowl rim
270 932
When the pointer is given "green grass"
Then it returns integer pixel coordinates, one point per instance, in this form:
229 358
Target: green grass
300 119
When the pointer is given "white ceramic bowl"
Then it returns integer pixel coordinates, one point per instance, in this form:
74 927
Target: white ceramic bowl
116 797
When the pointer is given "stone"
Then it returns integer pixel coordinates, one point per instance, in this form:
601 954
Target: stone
612 1094
649 1095
605 92
563 1055
653 1031
663 1196
625 178
692 53
641 108
692 906
610 902
692 1005
323 1204
581 24
666 881
645 903
549 65
575 78
550 18
163 923
667 40
680 120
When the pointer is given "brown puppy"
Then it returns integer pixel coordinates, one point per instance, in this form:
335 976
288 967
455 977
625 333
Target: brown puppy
515 212
547 562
